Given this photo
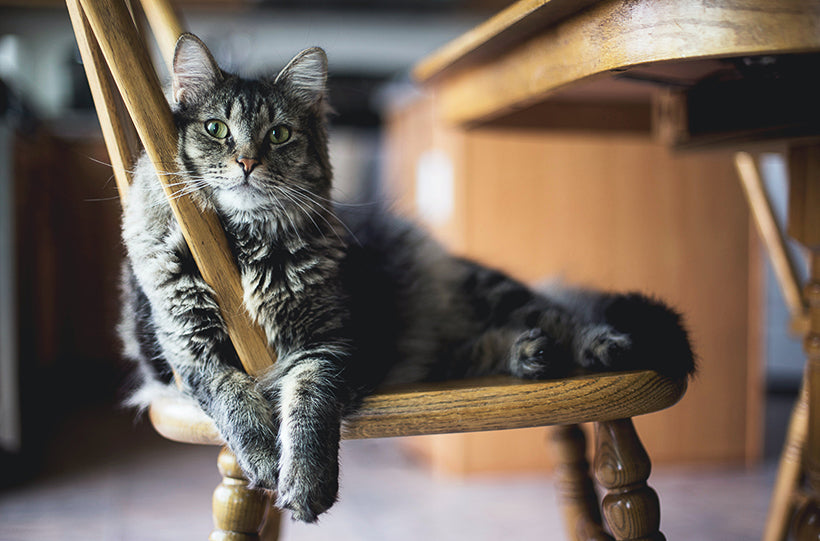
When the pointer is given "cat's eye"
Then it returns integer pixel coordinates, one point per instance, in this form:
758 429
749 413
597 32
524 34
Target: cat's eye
279 134
216 128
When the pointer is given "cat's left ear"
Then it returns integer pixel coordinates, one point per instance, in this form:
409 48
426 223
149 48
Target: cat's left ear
306 74
195 70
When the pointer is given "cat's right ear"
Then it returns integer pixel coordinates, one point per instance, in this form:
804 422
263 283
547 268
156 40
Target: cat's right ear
195 70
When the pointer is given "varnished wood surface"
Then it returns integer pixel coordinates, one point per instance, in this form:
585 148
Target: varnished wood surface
118 132
239 511
806 525
596 44
576 492
772 237
509 27
134 75
165 25
630 507
467 406
804 226
789 472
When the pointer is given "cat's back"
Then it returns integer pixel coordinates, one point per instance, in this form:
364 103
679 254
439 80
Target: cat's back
403 293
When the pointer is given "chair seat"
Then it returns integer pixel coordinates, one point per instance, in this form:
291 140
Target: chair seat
490 403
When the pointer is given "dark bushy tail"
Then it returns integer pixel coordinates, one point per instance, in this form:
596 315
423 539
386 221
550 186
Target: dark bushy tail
660 341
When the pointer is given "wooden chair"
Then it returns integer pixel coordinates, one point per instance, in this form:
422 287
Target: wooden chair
117 65
790 472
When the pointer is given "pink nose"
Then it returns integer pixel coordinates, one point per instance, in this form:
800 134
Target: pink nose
247 164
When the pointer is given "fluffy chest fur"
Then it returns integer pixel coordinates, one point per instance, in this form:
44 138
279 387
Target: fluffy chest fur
289 276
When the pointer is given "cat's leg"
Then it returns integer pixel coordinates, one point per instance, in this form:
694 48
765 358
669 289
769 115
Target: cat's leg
536 355
601 347
194 341
556 340
547 333
611 331
309 391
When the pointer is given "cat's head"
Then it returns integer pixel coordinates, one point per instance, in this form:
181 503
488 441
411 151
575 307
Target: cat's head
255 145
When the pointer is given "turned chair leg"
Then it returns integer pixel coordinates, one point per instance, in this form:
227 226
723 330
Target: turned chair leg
240 512
806 525
631 509
576 492
789 472
804 200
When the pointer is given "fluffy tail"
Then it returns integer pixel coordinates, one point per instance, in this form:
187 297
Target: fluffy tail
660 341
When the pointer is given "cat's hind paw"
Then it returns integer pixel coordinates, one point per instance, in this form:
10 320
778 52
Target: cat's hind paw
536 355
602 347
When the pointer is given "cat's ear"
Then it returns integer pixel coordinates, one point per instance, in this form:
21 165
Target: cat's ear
195 70
306 75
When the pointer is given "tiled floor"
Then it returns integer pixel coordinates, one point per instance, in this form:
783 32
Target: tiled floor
109 479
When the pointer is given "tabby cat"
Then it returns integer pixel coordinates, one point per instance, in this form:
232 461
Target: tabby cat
346 307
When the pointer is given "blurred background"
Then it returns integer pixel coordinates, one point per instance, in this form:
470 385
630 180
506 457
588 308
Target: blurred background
536 203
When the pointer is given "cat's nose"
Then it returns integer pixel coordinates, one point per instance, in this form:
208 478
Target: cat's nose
247 164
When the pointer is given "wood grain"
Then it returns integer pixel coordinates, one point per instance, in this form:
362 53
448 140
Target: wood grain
165 25
616 35
804 194
770 233
118 131
138 84
507 28
789 472
806 524
631 508
239 511
576 493
467 406
804 226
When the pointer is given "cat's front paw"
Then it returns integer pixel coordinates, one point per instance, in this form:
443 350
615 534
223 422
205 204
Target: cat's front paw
260 464
601 346
535 355
307 488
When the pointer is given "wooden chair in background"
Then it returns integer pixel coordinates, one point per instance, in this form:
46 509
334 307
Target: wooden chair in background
786 494
120 74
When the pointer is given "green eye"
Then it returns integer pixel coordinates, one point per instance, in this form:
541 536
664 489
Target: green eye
216 128
279 134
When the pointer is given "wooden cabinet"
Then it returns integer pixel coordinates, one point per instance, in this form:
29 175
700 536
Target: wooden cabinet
616 211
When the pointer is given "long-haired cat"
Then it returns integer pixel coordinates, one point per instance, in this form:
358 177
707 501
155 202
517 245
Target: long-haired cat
347 308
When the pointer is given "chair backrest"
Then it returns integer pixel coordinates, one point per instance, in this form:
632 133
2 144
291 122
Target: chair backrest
120 72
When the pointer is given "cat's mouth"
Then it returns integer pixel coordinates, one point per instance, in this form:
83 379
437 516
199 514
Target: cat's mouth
244 185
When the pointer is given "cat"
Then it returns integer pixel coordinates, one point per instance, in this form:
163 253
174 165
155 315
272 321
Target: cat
349 299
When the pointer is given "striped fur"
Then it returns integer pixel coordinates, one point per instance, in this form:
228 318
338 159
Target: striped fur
347 308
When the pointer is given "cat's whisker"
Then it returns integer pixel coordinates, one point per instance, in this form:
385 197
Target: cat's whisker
330 211
332 201
305 211
310 202
101 199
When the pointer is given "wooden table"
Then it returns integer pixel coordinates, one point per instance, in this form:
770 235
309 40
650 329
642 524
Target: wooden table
696 74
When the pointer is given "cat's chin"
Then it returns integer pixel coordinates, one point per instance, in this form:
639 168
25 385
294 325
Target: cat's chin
233 202
240 199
